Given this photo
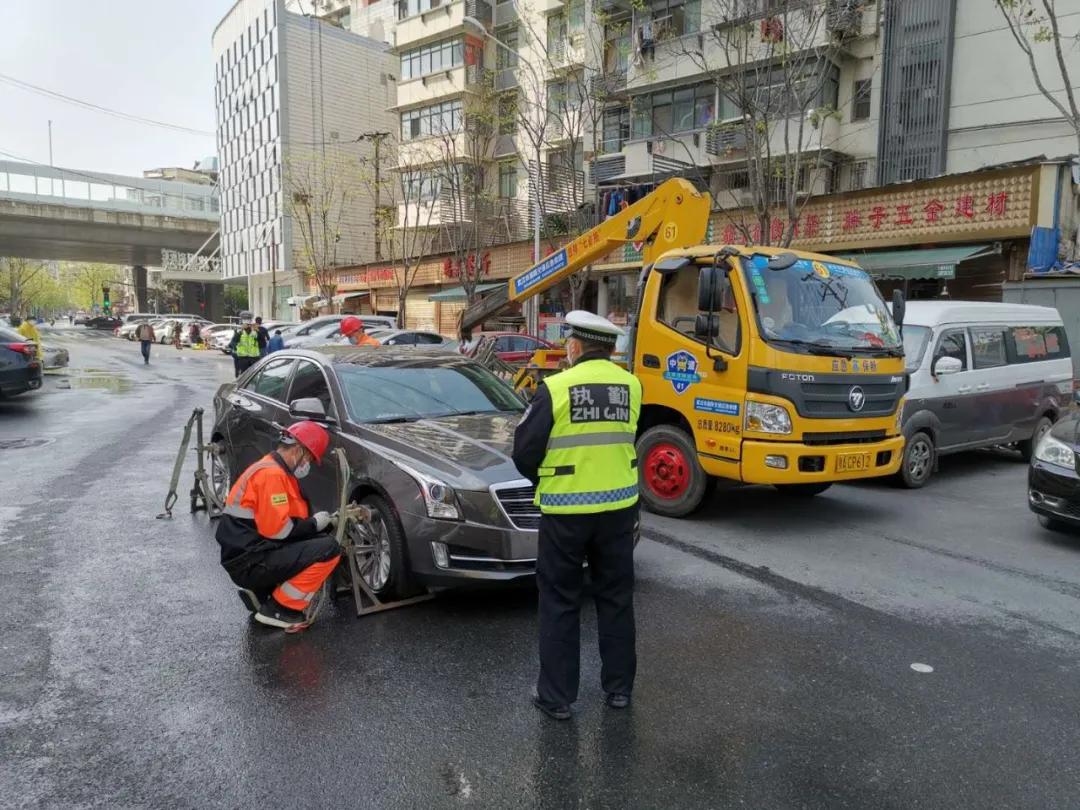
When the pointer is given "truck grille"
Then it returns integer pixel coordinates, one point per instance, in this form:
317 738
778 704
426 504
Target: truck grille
516 500
831 399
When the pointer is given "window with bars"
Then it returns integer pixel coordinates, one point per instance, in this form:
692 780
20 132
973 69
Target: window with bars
860 99
507 57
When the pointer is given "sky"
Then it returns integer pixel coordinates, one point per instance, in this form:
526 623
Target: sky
149 58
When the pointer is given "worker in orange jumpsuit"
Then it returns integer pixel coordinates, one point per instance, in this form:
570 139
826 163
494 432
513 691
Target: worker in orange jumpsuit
271 546
352 331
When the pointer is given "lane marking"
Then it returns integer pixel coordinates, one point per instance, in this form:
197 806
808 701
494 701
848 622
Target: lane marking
923 668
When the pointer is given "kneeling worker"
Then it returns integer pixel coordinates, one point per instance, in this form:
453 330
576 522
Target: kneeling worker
269 544
576 443
352 332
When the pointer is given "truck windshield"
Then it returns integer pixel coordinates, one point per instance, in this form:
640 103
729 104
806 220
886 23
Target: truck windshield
820 308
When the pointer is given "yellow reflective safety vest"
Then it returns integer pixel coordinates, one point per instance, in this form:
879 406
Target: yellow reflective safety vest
591 463
248 346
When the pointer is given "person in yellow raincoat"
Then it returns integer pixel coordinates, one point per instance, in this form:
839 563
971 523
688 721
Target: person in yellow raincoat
27 330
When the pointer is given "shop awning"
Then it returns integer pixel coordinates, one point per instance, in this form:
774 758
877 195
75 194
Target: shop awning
458 293
341 298
915 264
299 300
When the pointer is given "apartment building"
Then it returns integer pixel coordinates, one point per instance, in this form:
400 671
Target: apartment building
295 97
925 148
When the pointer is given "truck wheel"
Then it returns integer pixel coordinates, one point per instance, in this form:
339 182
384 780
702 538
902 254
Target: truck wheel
918 463
672 481
803 490
1027 447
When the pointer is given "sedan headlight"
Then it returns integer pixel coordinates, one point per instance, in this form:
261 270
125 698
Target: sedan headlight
1055 452
764 418
439 499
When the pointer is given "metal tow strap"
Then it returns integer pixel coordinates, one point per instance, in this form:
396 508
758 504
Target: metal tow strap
178 466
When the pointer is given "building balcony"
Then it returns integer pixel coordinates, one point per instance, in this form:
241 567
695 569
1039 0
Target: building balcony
727 141
436 150
439 21
432 87
658 158
568 53
608 86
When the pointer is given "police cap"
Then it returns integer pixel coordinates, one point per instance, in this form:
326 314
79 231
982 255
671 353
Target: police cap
589 326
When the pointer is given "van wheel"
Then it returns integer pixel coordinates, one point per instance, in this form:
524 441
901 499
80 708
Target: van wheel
672 481
918 464
803 490
1027 447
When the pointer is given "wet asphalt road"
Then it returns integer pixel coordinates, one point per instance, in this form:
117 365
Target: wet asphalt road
775 642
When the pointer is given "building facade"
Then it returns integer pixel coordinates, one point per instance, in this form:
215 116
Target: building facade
917 124
295 96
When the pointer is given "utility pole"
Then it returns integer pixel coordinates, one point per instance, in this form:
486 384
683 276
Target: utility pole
273 278
50 143
377 138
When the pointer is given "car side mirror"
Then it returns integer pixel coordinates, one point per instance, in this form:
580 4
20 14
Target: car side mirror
944 365
709 288
899 305
309 408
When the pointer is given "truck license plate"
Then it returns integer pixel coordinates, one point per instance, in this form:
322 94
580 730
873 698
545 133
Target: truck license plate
852 462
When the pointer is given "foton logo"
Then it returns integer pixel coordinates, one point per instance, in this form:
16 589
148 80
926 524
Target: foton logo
793 377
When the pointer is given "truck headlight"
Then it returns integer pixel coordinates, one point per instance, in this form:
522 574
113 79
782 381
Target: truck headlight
764 418
1055 452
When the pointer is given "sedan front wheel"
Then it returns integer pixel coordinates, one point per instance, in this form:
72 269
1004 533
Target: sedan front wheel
379 550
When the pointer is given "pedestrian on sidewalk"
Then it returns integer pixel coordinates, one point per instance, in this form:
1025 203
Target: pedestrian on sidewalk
176 333
277 343
145 335
262 334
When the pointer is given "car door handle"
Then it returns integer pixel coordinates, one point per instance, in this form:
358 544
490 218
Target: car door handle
982 386
963 389
650 361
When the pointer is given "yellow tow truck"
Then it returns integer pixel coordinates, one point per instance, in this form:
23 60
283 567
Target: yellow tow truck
759 365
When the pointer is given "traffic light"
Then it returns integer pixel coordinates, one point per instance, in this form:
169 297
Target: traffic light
106 305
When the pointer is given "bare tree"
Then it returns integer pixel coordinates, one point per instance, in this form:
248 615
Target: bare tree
466 202
775 75
321 188
19 277
1035 26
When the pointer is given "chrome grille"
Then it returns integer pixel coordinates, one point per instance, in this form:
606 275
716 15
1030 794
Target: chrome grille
515 498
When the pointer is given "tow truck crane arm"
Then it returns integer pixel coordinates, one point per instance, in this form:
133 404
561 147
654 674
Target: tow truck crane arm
674 215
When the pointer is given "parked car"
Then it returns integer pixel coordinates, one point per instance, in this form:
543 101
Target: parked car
1053 482
324 333
54 357
509 346
306 329
982 374
20 370
406 337
378 322
428 436
102 322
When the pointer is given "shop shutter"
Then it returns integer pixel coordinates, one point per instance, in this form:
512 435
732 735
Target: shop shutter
419 312
449 312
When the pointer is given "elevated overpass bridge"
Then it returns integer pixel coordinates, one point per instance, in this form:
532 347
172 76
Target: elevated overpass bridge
49 213
85 216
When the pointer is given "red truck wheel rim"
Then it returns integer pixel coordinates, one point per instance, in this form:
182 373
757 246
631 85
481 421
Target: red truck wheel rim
666 472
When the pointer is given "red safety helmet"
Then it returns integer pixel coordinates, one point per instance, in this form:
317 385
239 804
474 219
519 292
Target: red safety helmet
350 325
312 436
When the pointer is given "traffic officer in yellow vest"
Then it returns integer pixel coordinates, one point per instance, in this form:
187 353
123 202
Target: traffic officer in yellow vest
245 347
576 443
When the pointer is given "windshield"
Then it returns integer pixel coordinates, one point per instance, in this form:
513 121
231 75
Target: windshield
391 394
915 340
820 305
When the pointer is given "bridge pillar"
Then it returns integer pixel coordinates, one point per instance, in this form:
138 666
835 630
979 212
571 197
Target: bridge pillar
207 300
138 274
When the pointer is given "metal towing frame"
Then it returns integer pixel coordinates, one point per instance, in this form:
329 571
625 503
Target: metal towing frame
354 521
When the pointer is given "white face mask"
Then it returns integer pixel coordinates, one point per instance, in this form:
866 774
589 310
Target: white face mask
302 469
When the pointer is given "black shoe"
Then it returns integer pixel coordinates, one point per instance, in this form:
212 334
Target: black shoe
554 712
617 701
274 614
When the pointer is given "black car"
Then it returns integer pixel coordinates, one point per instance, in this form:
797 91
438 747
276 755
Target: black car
103 322
1053 479
428 436
20 369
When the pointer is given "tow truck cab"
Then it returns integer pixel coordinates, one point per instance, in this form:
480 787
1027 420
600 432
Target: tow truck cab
764 366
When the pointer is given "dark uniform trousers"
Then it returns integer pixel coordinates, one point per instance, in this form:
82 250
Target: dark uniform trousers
606 540
269 563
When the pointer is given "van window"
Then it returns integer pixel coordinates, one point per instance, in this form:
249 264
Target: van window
915 340
952 344
988 346
1030 344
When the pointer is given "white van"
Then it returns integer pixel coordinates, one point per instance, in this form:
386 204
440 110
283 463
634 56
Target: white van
982 374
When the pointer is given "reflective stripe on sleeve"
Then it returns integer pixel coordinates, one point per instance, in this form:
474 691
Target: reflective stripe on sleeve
239 512
590 439
283 532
